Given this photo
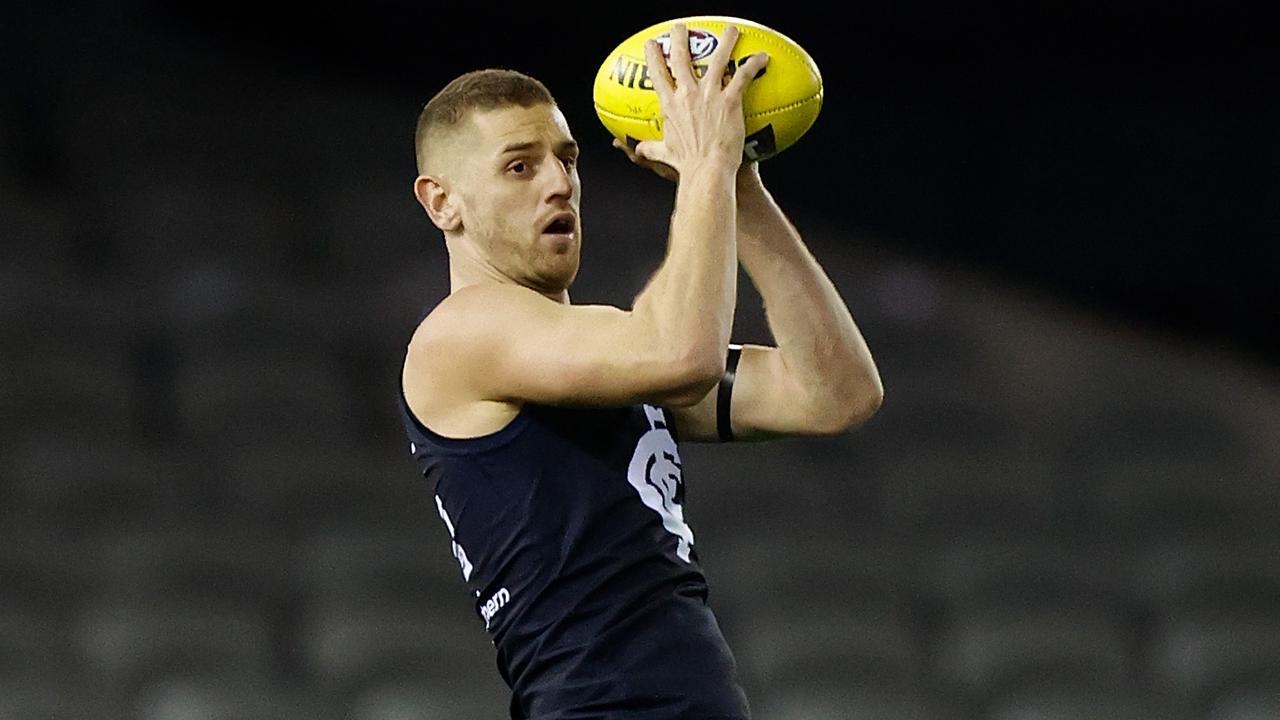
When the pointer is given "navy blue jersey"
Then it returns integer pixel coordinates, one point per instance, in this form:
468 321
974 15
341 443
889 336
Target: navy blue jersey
569 528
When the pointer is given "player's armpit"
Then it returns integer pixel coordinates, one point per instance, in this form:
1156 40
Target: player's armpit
766 403
508 343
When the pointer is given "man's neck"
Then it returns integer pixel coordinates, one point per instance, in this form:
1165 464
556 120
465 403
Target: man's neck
458 280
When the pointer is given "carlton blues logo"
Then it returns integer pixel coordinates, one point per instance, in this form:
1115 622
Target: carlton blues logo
655 473
634 73
701 44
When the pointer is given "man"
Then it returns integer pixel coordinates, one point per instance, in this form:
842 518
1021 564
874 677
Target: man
549 429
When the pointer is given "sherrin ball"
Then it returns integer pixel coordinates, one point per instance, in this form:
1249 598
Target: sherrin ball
779 105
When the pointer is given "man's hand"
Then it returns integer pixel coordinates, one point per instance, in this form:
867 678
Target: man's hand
748 176
662 170
702 118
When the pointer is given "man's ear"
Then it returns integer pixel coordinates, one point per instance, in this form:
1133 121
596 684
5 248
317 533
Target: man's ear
438 202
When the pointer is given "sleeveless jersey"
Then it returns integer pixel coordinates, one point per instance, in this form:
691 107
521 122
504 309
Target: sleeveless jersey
569 528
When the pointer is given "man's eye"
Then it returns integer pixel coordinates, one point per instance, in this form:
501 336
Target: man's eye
518 167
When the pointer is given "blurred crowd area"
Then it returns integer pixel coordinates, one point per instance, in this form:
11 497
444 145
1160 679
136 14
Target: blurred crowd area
208 273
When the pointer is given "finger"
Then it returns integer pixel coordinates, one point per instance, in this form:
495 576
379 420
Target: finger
747 72
658 72
681 62
723 54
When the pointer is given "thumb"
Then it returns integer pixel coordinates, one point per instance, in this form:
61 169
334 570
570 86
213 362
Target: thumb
652 150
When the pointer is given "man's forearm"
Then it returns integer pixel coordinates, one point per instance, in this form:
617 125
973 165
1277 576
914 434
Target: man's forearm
689 302
821 346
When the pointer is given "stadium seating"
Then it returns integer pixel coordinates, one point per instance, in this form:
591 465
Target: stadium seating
1234 570
124 642
945 486
411 565
218 308
68 388
1046 567
50 694
246 565
1075 699
817 700
399 697
33 642
1258 699
203 696
985 648
1193 654
857 643
347 645
95 482
316 481
44 572
228 401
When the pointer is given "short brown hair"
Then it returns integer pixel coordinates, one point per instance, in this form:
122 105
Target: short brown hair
486 89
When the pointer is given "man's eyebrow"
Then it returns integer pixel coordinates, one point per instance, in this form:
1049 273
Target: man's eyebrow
566 146
519 147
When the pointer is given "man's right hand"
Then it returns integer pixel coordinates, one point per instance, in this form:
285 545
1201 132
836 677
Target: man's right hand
702 119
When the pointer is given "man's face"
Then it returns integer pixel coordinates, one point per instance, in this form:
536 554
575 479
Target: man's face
519 193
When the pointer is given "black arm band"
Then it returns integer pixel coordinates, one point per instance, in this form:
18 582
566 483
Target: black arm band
725 395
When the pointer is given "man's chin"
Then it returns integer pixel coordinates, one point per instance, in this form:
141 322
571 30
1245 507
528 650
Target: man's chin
554 280
561 243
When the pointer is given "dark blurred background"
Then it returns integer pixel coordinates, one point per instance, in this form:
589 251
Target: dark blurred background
1055 225
1123 154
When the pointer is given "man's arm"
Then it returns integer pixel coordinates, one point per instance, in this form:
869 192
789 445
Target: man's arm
505 343
820 379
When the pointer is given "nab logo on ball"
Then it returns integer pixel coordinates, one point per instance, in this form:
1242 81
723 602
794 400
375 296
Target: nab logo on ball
779 105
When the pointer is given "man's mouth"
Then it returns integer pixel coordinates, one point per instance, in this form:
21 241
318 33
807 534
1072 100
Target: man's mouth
560 225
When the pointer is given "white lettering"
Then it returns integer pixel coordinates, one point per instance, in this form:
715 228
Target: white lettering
493 605
458 553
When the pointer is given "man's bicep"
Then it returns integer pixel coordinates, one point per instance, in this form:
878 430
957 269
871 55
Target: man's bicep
530 349
563 355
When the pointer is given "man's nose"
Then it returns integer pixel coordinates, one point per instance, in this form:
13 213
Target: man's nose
561 182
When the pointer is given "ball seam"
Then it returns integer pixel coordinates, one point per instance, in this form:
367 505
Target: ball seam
783 108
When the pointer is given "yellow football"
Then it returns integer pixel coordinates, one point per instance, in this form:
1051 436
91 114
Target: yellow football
779 105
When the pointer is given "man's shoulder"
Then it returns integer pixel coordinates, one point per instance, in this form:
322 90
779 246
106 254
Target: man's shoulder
452 352
471 319
468 309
